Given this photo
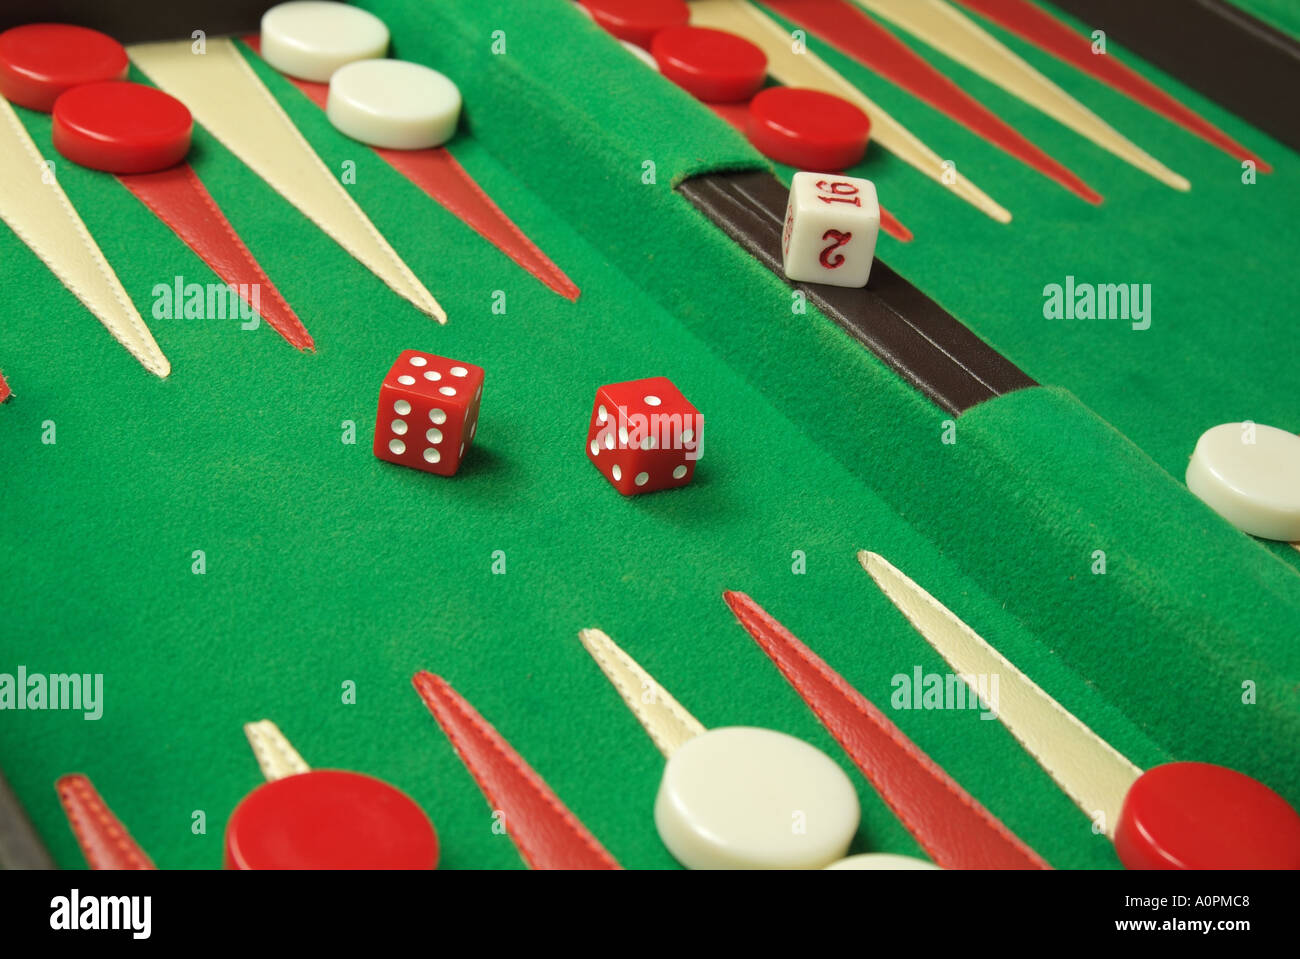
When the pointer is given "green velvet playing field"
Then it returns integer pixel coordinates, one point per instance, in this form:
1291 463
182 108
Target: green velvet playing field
325 566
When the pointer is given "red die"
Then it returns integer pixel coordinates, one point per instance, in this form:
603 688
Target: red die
428 412
644 435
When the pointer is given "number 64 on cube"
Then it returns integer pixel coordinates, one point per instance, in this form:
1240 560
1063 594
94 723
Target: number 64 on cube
831 224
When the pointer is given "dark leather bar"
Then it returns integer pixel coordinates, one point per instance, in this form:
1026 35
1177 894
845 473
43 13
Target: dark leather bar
20 847
1223 52
909 331
135 21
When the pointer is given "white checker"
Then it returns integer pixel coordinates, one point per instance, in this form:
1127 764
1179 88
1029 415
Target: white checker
310 39
740 797
642 55
881 860
831 226
393 104
1255 485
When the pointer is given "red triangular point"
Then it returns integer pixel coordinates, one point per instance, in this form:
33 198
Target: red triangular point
1050 35
179 198
103 839
848 29
953 828
440 175
546 834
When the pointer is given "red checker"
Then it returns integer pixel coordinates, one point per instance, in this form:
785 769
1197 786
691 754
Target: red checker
711 65
807 129
122 127
1201 816
637 21
329 819
38 61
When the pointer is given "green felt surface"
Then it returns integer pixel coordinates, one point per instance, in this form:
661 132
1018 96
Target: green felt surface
326 566
1211 354
1282 14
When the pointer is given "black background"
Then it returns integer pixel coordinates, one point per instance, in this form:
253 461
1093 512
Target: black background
974 913
134 21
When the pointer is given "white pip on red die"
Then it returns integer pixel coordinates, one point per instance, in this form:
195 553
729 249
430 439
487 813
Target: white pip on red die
428 412
831 225
644 436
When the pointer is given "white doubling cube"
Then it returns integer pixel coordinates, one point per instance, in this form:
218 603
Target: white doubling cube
831 223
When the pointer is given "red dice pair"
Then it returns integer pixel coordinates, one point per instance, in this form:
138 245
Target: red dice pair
644 434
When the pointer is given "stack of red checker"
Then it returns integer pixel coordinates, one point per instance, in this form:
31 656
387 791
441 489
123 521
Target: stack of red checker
806 129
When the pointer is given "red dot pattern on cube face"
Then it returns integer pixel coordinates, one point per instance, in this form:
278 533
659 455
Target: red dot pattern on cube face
644 436
428 412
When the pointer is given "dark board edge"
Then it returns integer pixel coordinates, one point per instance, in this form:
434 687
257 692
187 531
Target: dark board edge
910 332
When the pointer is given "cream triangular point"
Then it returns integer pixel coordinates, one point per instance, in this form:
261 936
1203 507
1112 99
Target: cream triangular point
668 724
808 70
275 754
958 37
37 209
1089 770
228 98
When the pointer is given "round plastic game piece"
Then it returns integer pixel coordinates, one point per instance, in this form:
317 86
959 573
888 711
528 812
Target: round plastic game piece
637 21
641 55
807 129
393 104
310 39
329 819
1200 816
712 65
746 798
1250 475
38 61
121 127
881 860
